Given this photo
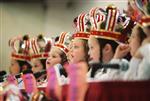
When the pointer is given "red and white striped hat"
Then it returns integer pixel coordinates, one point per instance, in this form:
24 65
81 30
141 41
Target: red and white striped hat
143 6
82 27
96 16
145 21
110 21
63 42
37 51
16 53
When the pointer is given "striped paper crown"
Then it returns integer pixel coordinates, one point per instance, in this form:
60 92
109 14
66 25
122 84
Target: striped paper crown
83 27
63 42
20 48
97 15
106 22
40 47
144 7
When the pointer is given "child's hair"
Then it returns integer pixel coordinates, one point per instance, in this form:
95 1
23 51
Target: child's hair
22 63
103 42
43 62
63 58
21 42
140 33
56 39
86 49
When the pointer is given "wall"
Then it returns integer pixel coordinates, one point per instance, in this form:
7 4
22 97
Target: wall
18 19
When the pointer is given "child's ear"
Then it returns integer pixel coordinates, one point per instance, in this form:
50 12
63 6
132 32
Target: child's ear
107 48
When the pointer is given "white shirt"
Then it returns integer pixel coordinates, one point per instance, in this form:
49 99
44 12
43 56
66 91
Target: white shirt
144 67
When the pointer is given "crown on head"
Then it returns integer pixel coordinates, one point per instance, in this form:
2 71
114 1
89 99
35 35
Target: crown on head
40 47
63 42
110 25
97 15
144 7
20 47
83 27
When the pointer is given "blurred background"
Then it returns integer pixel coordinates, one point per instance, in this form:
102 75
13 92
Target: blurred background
49 17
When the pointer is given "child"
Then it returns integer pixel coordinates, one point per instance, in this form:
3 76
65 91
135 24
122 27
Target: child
104 39
20 60
40 47
141 70
79 49
58 54
78 59
55 66
135 42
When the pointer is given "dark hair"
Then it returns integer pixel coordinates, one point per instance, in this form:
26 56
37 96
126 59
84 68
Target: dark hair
21 42
148 26
43 62
48 47
63 58
57 38
86 49
141 34
25 37
40 37
103 42
22 63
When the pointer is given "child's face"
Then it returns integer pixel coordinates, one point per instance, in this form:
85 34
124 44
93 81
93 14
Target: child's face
37 65
69 53
77 52
14 68
134 42
94 50
54 57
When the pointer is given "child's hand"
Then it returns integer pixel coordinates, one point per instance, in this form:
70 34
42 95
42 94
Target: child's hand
121 51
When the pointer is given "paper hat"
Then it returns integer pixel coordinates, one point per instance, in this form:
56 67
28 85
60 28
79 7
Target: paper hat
21 51
107 25
144 7
63 42
83 27
97 15
40 47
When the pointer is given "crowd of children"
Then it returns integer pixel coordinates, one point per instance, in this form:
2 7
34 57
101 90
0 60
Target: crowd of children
106 45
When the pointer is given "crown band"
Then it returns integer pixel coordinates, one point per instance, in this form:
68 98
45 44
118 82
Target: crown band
145 21
42 55
21 56
81 35
108 35
63 48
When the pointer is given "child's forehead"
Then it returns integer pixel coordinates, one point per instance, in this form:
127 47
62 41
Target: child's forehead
92 38
77 41
13 61
55 50
35 60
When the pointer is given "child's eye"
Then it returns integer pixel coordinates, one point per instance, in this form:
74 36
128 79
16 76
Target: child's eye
75 46
35 66
90 47
54 56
